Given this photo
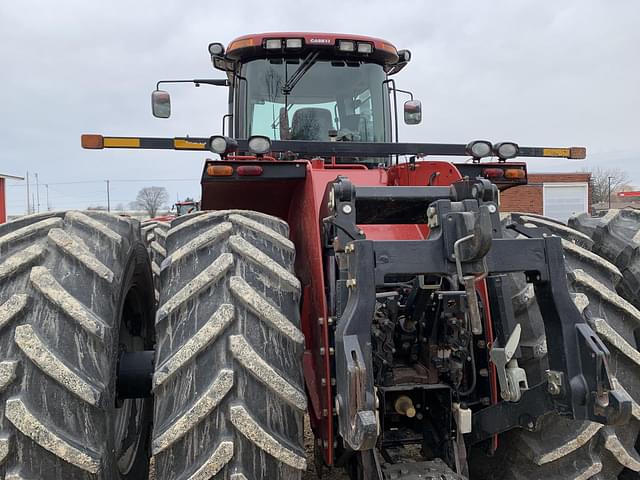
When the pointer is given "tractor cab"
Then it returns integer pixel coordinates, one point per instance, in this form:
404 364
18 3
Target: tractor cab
186 207
313 87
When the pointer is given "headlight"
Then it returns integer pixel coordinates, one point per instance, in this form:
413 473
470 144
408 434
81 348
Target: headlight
506 150
222 145
479 148
259 144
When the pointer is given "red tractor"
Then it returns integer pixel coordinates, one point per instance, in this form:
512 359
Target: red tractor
332 271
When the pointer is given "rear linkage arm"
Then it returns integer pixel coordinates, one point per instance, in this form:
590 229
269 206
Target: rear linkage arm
578 383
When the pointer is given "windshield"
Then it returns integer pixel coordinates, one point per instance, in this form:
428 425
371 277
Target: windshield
350 98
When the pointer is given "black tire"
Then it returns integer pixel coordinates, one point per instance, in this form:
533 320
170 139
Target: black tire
154 234
75 290
557 228
616 237
559 448
228 383
147 228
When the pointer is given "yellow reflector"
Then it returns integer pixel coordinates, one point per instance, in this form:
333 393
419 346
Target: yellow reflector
92 141
219 170
556 152
178 144
578 153
121 142
247 42
514 173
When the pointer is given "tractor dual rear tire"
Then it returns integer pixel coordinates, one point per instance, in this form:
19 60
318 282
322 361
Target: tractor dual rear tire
154 234
75 290
616 237
560 448
228 384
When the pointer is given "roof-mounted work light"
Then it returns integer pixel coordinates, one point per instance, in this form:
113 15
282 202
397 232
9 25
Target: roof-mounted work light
346 46
293 43
506 150
222 145
479 149
273 44
259 144
216 49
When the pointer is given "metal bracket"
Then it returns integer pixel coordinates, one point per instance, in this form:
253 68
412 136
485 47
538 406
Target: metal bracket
585 391
357 421
512 378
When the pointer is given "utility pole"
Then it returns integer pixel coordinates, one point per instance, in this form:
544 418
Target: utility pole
46 186
108 199
609 178
28 196
38 192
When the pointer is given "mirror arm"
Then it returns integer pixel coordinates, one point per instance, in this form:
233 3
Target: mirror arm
220 82
405 91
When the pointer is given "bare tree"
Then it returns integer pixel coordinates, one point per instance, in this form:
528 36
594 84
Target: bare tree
600 178
151 199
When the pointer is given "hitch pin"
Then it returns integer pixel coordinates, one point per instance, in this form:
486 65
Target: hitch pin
469 283
472 300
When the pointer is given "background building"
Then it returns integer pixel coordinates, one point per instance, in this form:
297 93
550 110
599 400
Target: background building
555 195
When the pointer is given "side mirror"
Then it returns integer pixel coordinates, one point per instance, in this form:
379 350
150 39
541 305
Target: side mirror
161 104
412 112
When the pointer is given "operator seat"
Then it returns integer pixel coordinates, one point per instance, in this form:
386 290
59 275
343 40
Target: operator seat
356 123
311 123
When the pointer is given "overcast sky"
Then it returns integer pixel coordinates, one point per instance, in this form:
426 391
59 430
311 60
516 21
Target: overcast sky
559 73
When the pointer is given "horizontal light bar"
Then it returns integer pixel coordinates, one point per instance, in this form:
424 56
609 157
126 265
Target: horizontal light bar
98 142
302 147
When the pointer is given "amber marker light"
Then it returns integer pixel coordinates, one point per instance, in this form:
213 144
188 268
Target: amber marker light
514 173
219 170
92 141
244 43
577 153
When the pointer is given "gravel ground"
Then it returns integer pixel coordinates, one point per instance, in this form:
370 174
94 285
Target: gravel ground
310 474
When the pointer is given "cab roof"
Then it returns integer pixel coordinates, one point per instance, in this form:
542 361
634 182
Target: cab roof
253 46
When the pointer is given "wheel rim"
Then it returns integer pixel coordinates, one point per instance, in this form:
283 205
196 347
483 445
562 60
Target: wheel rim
130 414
